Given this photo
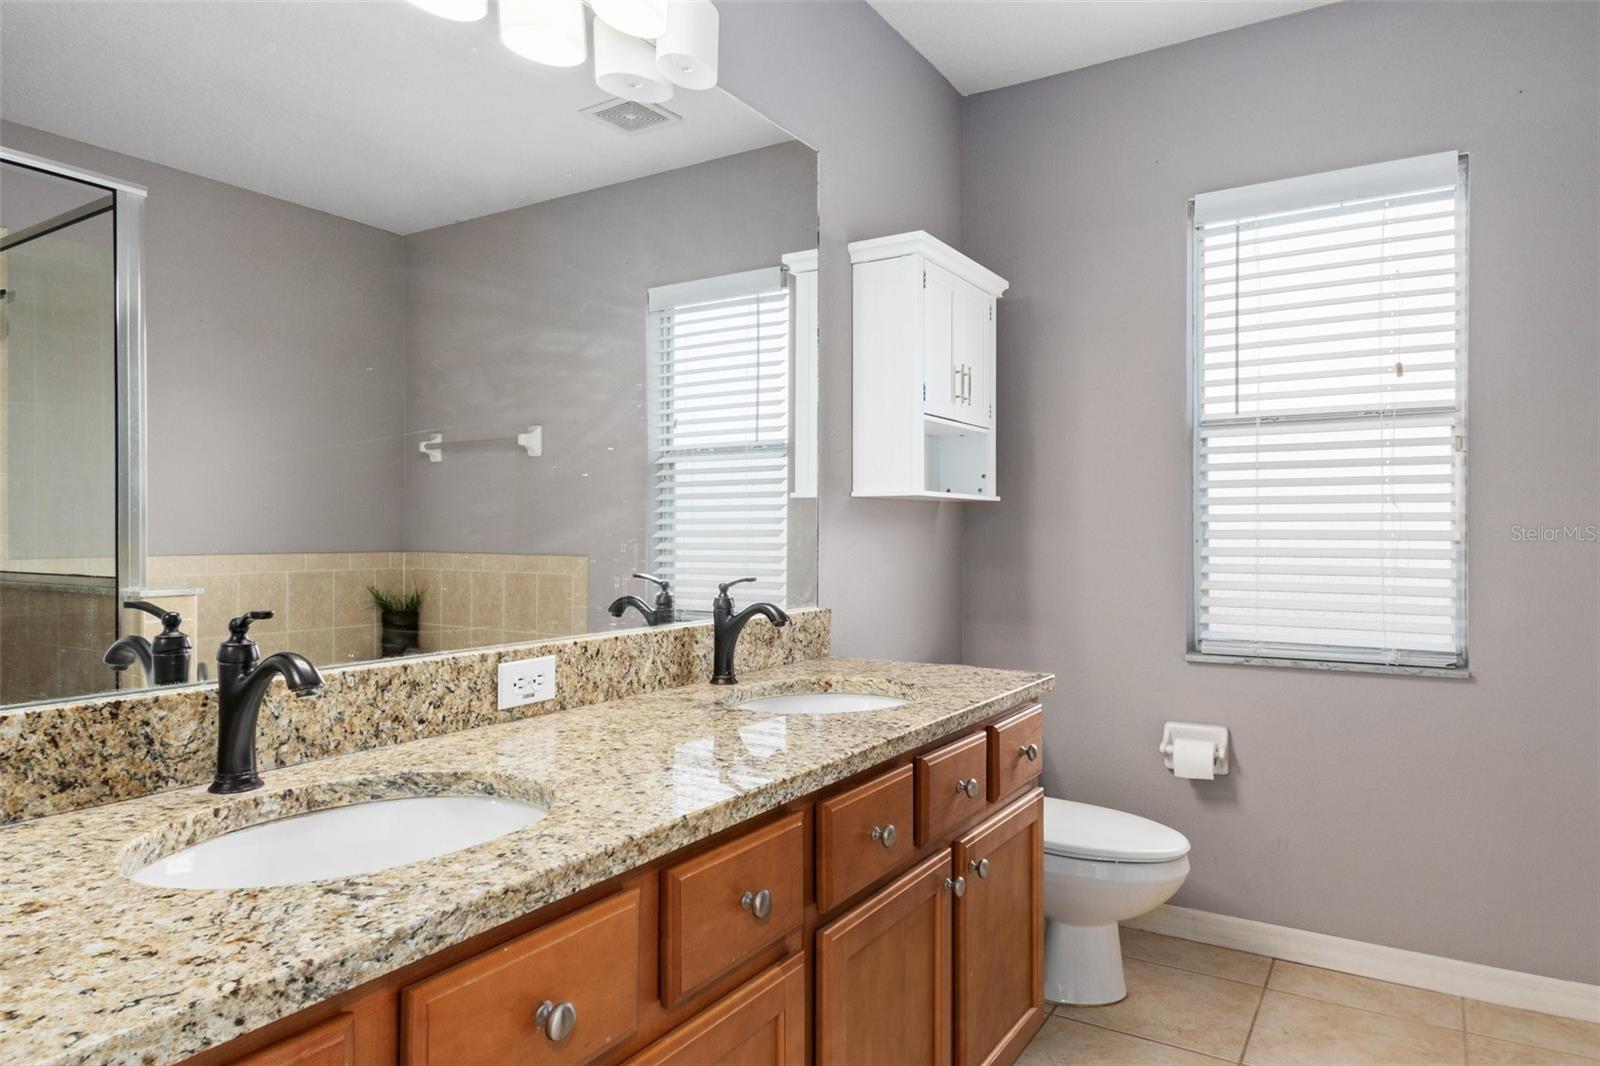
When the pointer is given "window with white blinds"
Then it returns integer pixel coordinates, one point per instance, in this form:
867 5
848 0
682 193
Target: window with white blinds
719 435
1328 360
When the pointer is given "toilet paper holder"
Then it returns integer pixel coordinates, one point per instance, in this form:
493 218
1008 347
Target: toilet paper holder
1216 734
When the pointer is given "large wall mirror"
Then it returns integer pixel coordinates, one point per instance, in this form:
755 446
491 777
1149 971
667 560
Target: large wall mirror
416 344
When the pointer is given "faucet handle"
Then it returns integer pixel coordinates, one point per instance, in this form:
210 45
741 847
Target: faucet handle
240 627
169 619
664 585
724 586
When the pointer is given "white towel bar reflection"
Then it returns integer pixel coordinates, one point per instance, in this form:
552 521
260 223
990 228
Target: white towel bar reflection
531 442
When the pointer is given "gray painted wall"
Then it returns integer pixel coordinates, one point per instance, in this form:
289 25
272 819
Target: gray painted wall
323 343
887 128
537 316
1457 818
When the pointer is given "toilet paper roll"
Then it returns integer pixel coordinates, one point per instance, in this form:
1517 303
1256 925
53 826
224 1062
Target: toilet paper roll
1193 759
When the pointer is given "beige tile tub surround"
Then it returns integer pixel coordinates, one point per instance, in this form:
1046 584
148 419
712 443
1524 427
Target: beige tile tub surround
61 757
95 968
1293 1014
52 640
323 610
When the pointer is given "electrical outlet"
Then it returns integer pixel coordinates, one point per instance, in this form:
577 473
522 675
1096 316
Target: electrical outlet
527 681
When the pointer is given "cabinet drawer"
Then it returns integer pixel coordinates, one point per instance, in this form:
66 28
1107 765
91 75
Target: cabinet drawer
332 1043
710 905
952 786
485 1009
761 1023
863 834
1016 751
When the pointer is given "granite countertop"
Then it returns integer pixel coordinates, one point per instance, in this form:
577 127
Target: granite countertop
97 968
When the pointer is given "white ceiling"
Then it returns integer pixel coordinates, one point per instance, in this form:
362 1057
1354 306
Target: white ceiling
980 45
377 112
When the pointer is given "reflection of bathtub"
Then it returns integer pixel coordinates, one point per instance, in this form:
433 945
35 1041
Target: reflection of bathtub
54 628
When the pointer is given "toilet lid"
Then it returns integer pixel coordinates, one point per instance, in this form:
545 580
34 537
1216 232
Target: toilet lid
1084 831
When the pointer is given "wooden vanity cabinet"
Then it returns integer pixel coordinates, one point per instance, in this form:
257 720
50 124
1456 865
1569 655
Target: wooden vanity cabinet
964 926
810 935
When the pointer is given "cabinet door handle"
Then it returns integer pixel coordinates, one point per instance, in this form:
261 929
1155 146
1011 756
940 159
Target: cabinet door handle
968 375
1029 752
958 885
884 834
979 867
968 788
556 1019
959 393
757 903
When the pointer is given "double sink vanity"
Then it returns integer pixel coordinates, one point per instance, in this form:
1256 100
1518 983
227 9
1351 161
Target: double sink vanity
834 861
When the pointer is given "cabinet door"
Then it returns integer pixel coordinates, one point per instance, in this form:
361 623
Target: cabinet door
975 318
943 384
762 1023
972 356
883 974
1000 934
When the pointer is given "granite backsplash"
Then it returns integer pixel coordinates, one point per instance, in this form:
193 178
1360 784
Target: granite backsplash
66 756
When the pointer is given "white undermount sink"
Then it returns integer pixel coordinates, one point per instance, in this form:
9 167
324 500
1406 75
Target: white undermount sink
821 703
361 838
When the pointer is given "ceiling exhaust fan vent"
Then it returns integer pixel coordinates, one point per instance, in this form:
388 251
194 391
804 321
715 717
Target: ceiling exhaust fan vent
630 116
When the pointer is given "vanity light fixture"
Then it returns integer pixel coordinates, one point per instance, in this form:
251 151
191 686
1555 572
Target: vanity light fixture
626 66
686 51
646 19
552 32
455 10
642 48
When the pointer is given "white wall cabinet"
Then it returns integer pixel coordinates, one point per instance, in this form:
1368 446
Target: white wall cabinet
924 358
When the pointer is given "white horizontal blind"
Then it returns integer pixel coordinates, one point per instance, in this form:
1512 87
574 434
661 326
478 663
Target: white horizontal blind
719 433
1328 354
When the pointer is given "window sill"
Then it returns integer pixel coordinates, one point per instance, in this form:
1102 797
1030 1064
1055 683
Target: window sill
1453 674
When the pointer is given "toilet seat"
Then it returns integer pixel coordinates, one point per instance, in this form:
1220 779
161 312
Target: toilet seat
1100 834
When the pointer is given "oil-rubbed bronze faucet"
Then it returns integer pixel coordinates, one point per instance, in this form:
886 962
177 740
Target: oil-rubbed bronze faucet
726 627
242 679
659 615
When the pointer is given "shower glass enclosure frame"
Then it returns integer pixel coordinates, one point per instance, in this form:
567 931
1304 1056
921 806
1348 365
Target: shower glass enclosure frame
127 213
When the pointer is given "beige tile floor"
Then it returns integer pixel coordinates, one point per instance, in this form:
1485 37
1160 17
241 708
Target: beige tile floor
1195 1005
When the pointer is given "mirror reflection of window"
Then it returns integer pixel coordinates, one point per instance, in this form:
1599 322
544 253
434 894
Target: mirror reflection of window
719 421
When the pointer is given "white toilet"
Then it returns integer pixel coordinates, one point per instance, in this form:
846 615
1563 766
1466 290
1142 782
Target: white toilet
1101 867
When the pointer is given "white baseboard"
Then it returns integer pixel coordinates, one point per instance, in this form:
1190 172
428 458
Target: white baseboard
1511 988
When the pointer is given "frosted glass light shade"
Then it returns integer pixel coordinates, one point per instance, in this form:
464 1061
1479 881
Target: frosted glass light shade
636 18
686 54
546 31
455 10
626 66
